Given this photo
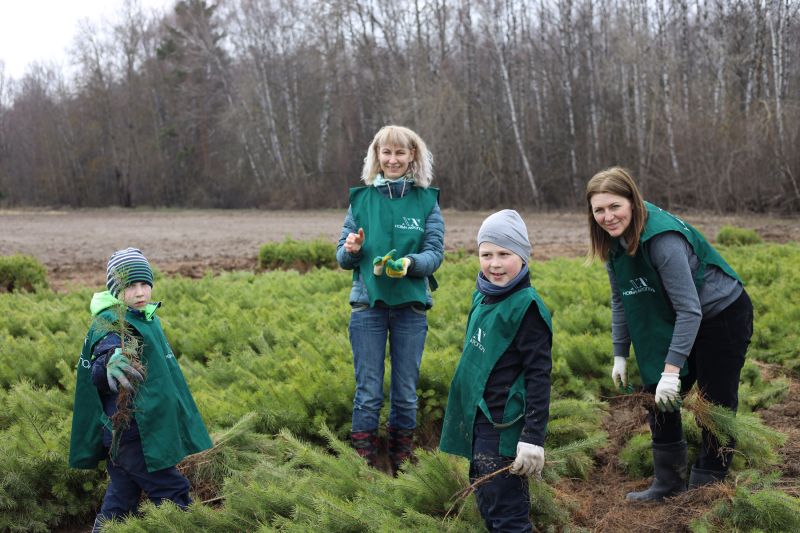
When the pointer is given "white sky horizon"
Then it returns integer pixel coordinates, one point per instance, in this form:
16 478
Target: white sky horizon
42 31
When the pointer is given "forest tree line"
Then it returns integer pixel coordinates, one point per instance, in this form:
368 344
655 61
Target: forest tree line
272 103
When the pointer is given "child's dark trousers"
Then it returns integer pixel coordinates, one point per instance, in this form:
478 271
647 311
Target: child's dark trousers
128 478
504 501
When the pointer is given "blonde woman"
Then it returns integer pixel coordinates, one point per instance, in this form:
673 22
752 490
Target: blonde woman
393 240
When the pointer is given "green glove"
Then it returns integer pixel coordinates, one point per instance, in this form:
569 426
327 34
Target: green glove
119 369
398 268
379 262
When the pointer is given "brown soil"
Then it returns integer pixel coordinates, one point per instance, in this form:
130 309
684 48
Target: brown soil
75 244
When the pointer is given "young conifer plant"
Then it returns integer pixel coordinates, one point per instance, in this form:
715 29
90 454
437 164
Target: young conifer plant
131 349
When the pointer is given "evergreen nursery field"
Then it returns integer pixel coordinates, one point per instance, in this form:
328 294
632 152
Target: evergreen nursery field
268 360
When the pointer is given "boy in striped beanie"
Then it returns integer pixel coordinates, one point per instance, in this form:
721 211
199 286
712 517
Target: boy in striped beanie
164 425
126 267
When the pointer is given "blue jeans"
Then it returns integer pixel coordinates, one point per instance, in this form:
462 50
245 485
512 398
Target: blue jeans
405 329
128 477
504 500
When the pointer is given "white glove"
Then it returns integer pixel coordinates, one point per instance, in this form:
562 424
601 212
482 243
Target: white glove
620 374
668 392
530 460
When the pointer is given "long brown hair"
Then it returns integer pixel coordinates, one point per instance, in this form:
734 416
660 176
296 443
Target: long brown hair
618 181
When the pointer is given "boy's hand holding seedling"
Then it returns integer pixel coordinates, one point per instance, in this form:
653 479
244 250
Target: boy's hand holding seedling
529 460
119 369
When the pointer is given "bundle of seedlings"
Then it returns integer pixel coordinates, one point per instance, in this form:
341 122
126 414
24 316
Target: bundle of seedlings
755 443
754 502
131 348
235 450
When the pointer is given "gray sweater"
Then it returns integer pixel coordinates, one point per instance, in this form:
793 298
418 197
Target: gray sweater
676 263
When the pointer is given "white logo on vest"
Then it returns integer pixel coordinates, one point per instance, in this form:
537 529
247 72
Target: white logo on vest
639 285
412 224
477 338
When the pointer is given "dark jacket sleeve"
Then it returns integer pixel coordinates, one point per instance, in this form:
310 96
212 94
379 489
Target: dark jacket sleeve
100 354
534 342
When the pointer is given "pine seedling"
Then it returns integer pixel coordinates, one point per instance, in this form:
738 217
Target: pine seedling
754 440
237 449
131 348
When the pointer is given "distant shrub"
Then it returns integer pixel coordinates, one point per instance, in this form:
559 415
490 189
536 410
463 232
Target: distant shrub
21 272
297 255
733 236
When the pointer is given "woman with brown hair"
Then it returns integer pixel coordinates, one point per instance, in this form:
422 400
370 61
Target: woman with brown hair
686 313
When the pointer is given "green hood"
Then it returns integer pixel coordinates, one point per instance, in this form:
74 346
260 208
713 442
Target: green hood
105 300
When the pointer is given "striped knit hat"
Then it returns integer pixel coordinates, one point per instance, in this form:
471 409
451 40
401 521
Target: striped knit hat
125 267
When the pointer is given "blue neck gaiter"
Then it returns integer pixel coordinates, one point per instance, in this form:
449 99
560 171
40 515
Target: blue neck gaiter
488 288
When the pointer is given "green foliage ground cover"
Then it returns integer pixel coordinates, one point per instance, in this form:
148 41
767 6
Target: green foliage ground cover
272 349
21 272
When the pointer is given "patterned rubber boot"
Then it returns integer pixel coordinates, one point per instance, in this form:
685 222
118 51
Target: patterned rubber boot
401 446
366 445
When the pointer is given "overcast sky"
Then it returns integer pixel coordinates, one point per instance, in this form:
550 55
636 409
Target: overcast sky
43 30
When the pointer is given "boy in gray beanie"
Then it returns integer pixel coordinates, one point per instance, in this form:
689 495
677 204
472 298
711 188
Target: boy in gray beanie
498 405
143 448
507 230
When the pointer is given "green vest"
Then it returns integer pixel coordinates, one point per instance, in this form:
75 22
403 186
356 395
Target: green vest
648 311
169 423
490 330
391 223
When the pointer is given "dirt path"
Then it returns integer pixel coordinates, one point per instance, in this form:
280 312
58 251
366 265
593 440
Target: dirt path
75 244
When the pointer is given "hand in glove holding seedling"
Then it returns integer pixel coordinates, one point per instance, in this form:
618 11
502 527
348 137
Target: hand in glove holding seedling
398 268
379 262
354 241
529 460
668 392
619 374
117 368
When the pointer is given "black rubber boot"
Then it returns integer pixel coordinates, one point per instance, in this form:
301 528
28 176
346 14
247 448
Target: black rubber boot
703 476
669 465
366 445
401 446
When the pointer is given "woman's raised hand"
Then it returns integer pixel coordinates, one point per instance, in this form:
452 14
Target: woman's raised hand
352 244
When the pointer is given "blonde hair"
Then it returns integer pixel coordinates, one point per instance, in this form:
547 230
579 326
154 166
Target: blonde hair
420 168
618 181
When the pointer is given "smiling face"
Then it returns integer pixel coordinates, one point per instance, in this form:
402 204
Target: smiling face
137 294
612 212
499 265
394 160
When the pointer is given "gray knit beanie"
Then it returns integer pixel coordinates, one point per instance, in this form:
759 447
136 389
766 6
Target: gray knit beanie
507 230
126 267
